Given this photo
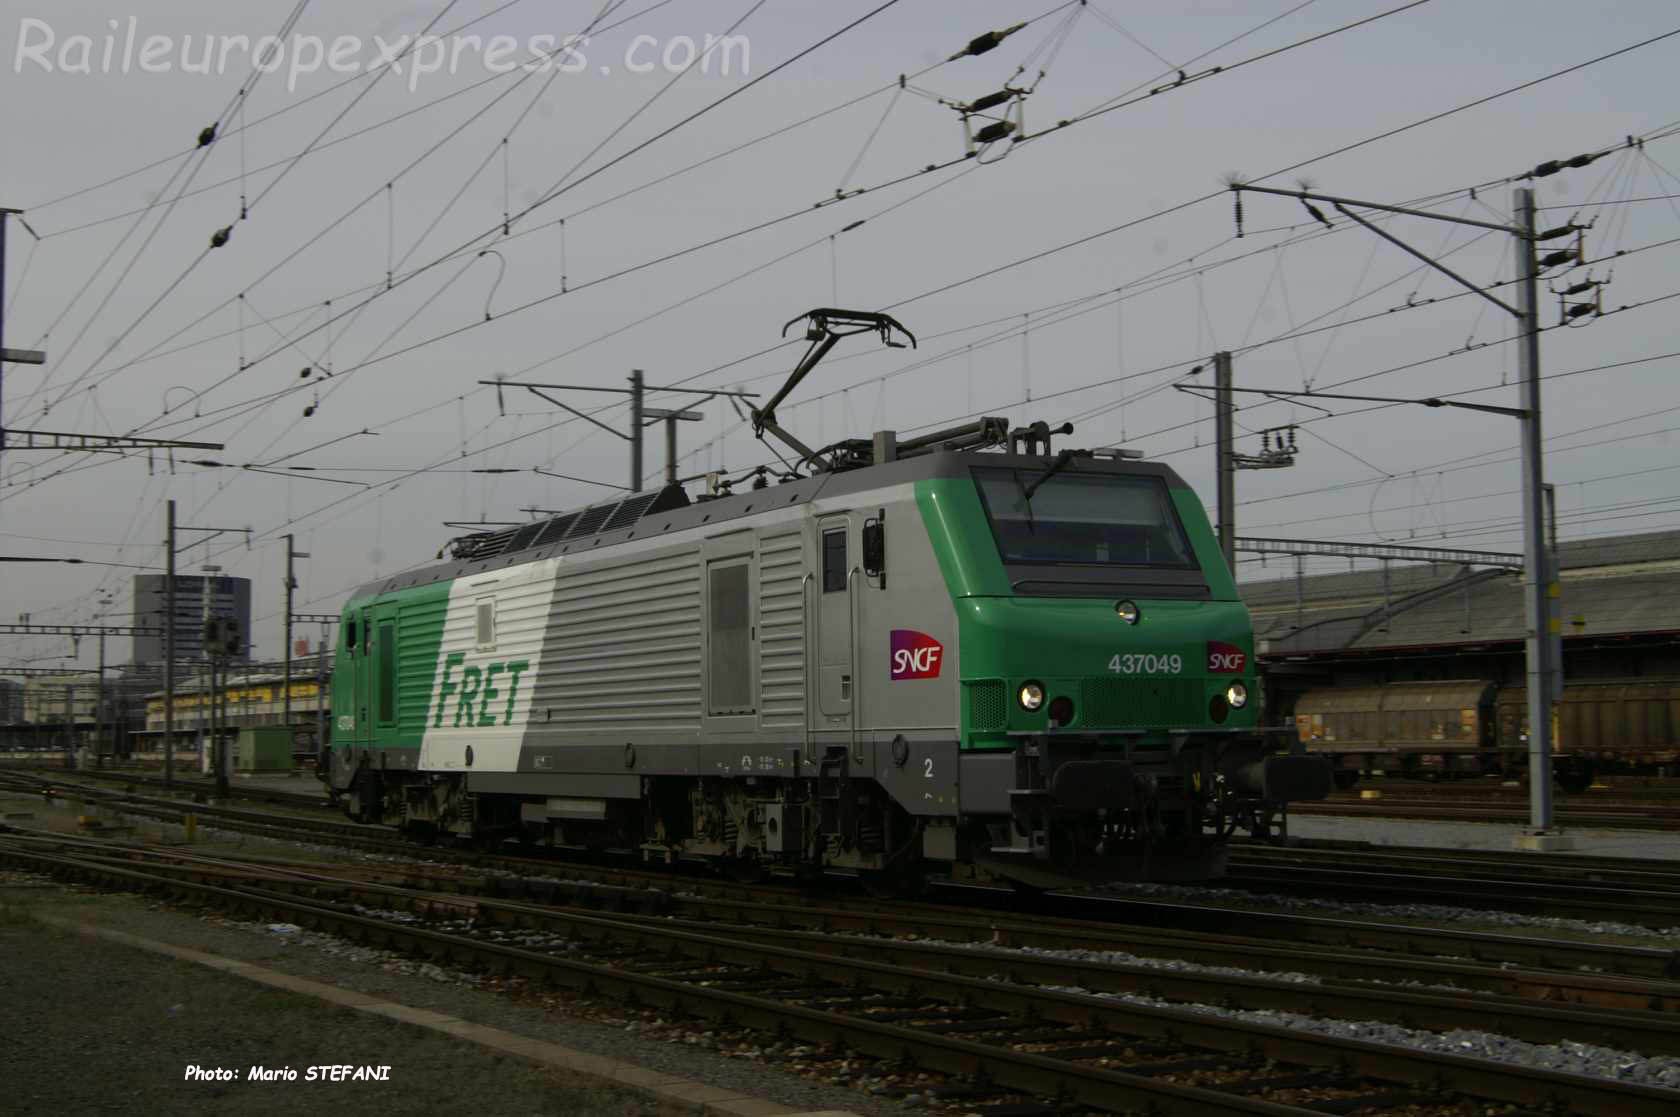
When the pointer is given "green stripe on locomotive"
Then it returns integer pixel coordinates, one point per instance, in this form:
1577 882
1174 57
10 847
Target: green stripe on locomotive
383 684
1076 646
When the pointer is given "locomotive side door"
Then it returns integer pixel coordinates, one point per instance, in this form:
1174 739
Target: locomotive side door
380 697
361 668
837 548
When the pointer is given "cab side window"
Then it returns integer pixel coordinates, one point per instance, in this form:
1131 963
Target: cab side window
834 561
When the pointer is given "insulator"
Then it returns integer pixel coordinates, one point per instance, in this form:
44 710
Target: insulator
1560 231
991 133
1580 288
304 375
1553 259
1553 166
221 236
983 43
1580 310
1236 200
207 137
990 100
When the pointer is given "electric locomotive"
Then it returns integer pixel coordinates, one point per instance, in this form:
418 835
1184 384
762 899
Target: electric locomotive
964 653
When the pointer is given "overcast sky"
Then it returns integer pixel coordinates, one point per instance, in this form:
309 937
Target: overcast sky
146 328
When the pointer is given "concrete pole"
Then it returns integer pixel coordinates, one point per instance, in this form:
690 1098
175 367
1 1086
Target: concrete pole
70 726
205 612
1536 569
169 653
218 724
636 430
99 711
321 699
1225 429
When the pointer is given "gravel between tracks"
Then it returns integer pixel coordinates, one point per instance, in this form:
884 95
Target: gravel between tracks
334 961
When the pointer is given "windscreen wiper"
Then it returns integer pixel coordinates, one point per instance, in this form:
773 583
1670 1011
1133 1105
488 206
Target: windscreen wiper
1026 500
1050 471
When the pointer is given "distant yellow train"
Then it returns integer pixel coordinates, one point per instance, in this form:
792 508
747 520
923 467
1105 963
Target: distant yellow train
257 701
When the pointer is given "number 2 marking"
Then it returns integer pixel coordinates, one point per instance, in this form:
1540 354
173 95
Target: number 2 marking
927 768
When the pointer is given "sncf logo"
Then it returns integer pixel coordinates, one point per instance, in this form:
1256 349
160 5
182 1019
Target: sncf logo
1224 659
915 655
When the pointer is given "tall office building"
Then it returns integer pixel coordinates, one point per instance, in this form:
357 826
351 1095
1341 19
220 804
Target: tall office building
228 597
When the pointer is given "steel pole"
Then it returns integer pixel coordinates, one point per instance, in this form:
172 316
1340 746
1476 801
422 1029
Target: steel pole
671 450
5 216
1536 572
286 680
1225 436
636 430
169 653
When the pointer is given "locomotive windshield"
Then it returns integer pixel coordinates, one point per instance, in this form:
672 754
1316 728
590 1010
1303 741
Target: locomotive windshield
1083 518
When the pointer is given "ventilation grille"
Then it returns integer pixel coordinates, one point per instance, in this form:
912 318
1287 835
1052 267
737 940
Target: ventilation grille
1141 703
590 521
987 711
524 537
554 530
573 525
487 545
630 511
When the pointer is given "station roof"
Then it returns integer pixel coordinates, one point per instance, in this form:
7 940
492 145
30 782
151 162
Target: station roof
1627 585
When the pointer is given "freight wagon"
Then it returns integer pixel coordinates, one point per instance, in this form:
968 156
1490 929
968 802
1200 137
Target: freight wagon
1477 727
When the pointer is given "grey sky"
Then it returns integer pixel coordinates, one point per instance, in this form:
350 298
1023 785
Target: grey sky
66 131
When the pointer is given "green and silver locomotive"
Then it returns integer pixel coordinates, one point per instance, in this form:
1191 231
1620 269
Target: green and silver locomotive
962 654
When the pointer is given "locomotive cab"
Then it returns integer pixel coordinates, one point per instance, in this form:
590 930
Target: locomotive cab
1110 710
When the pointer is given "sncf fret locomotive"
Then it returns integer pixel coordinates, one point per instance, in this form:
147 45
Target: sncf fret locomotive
961 653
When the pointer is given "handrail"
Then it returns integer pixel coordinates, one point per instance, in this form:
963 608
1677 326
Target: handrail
857 680
810 654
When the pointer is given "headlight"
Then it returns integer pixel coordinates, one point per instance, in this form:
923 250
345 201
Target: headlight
1237 695
1031 696
1127 611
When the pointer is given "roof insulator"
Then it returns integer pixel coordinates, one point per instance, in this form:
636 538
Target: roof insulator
989 101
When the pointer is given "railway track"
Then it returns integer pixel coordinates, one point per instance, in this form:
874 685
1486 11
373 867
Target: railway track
1629 817
981 1017
1640 893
